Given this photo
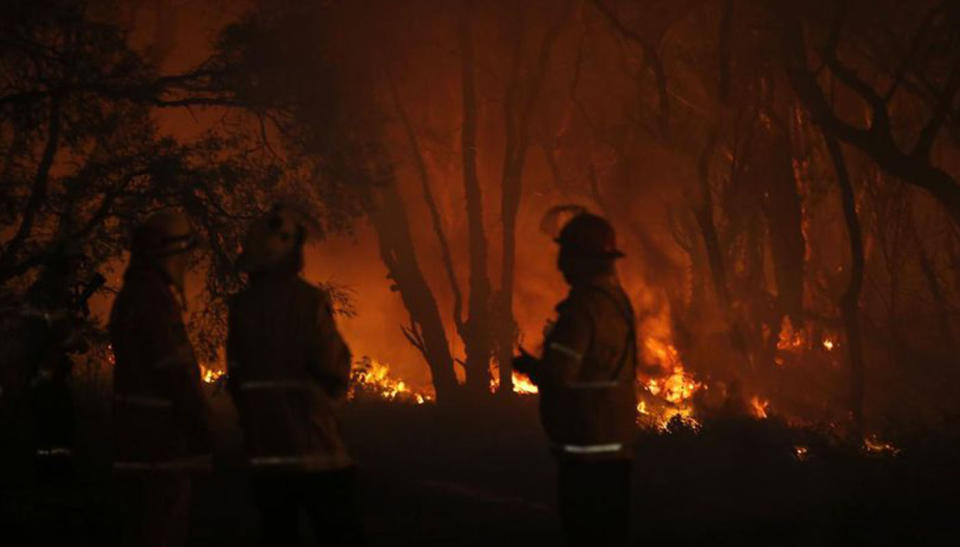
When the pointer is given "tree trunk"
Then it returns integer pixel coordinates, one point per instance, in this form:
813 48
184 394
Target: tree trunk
388 216
784 217
781 205
518 111
435 218
703 212
929 270
850 301
477 329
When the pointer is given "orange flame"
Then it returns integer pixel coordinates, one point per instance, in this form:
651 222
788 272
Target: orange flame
873 445
371 378
759 407
791 339
522 385
210 375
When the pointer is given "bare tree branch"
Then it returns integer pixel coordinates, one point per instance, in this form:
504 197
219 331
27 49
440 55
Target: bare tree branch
876 141
38 193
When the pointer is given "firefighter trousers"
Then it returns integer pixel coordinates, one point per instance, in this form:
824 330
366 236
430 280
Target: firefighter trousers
153 508
594 502
328 498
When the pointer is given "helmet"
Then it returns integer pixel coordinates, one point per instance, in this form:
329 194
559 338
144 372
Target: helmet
271 239
589 235
163 234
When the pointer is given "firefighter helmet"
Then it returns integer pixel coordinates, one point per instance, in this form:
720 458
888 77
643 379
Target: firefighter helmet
164 234
272 239
589 235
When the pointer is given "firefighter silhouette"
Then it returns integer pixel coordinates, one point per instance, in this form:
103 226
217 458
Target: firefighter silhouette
54 313
160 411
287 366
586 382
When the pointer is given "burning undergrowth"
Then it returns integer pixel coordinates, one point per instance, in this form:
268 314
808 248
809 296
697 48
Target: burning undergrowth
372 380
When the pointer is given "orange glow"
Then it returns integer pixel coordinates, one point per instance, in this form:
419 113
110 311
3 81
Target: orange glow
210 375
521 384
759 407
791 339
873 445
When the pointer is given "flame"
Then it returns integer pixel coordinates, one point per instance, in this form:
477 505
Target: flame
873 445
372 379
662 353
668 398
210 375
759 407
829 344
671 396
522 385
801 452
791 339
677 388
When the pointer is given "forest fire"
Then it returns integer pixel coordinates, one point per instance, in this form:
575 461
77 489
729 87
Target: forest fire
769 192
668 395
371 379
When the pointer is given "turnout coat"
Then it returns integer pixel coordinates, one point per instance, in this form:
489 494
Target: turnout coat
287 366
586 375
161 418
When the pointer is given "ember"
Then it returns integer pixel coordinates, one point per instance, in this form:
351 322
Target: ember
210 375
759 407
873 445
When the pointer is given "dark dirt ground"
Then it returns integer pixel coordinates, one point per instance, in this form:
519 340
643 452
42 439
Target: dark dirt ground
483 476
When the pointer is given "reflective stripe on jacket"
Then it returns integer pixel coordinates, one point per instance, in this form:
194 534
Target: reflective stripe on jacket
160 410
287 365
586 374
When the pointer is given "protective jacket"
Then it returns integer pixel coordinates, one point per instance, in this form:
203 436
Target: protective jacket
51 333
160 412
586 374
287 365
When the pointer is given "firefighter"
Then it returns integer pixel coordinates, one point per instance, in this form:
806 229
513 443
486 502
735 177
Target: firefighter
160 411
287 368
586 383
51 331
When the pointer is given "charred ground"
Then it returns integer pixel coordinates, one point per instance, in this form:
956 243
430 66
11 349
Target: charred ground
434 476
